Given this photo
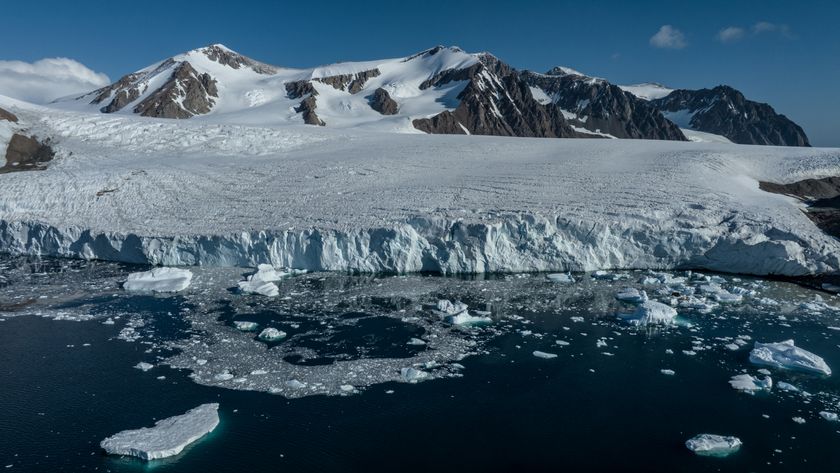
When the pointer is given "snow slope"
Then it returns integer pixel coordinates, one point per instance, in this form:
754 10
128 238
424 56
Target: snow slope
647 91
200 193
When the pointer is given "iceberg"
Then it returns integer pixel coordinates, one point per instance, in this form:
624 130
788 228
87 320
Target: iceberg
751 384
262 282
271 334
412 375
629 294
787 355
245 326
447 307
651 313
159 280
830 416
560 278
464 318
544 355
167 438
713 445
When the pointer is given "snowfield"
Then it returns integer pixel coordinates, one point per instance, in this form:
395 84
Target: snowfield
175 192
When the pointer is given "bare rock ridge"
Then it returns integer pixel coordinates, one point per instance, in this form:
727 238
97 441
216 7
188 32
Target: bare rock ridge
725 111
352 83
8 116
304 89
822 197
26 153
186 94
382 102
226 57
598 106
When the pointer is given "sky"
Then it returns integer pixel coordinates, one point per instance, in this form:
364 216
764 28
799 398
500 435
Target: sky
784 53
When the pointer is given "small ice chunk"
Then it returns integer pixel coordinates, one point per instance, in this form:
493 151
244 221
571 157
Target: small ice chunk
245 326
143 366
830 416
415 341
713 445
787 387
728 298
264 288
629 294
750 384
562 343
159 280
447 307
271 334
798 420
412 375
294 384
786 355
563 278
464 318
576 319
668 372
652 313
544 355
168 437
732 346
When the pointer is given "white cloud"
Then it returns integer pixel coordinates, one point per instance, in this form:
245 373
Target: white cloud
767 27
730 34
668 37
48 79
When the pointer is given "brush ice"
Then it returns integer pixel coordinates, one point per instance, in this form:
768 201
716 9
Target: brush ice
786 355
167 438
651 313
159 280
713 445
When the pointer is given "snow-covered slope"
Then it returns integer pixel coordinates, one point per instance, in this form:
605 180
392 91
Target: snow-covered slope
196 192
647 90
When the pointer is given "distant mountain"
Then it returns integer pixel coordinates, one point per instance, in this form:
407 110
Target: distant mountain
725 111
439 90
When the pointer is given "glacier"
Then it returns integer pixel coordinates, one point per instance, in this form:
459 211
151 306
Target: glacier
201 193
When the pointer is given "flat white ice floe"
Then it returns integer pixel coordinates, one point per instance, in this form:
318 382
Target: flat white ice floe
544 355
159 280
651 313
168 437
713 445
787 355
751 384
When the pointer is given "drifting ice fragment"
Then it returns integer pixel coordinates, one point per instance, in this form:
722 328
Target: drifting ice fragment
168 437
786 355
159 280
544 355
262 282
447 307
713 445
667 372
751 384
412 375
245 326
271 334
143 366
629 294
651 313
830 416
560 278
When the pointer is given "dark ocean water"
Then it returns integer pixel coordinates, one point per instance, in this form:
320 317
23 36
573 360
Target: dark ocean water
510 411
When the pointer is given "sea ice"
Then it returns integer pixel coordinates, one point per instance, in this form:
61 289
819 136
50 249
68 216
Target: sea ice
159 280
786 355
271 334
751 384
668 372
143 366
168 437
448 307
464 318
713 445
544 355
651 313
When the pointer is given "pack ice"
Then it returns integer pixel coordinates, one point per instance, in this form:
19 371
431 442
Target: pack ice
159 280
713 445
167 438
170 192
787 355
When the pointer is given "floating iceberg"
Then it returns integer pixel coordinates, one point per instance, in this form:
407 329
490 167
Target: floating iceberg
412 375
464 318
159 280
167 438
713 445
830 416
629 294
271 334
651 313
560 278
751 384
448 307
786 355
143 366
544 355
245 326
262 282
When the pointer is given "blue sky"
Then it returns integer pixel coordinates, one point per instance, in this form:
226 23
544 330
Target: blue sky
782 52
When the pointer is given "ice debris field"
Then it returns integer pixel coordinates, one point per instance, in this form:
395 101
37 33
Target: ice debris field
179 192
341 335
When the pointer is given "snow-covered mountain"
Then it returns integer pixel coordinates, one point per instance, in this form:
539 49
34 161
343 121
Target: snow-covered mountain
442 90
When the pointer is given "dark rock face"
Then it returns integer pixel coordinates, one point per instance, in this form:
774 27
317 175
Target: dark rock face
223 56
725 111
352 83
301 88
124 92
382 102
495 101
194 91
8 116
297 89
822 197
26 153
601 107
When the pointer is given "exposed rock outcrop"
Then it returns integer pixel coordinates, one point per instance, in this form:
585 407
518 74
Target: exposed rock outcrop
601 107
352 83
304 88
224 56
382 102
26 153
8 116
187 93
822 197
725 111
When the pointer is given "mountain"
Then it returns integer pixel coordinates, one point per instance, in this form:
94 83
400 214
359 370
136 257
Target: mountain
723 111
440 90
